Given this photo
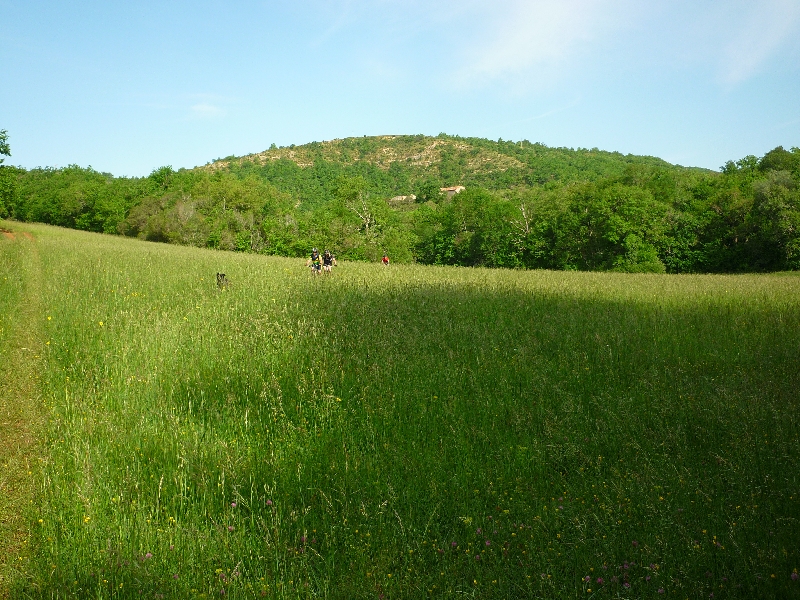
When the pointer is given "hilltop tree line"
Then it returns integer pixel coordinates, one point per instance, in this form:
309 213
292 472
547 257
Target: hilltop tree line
556 209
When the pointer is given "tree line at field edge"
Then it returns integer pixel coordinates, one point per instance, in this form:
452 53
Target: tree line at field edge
525 206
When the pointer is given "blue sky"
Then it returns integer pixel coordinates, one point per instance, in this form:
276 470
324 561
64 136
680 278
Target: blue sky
127 87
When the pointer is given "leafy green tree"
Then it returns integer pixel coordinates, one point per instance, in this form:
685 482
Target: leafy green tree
779 159
773 224
7 178
352 193
162 177
5 149
638 257
532 218
429 190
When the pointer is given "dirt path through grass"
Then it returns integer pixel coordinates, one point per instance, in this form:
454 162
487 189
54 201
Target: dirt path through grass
21 414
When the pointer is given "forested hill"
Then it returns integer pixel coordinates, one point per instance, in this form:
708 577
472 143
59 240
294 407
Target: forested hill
525 205
404 164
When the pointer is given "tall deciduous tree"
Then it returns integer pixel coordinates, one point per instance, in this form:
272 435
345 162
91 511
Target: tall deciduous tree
5 149
7 177
352 193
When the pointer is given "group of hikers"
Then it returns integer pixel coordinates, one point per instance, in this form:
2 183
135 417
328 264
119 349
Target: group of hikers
324 263
321 262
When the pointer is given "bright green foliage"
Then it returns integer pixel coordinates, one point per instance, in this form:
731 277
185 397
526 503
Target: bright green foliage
7 177
428 191
76 197
407 431
5 148
526 205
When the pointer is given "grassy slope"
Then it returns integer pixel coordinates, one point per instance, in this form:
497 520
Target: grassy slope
409 430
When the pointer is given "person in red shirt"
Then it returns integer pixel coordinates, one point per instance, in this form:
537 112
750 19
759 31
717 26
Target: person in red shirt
385 260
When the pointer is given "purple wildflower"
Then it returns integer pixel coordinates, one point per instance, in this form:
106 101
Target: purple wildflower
171 547
233 504
488 543
453 544
230 527
587 578
477 557
660 590
635 543
647 578
175 576
626 584
478 531
269 502
303 539
148 555
600 580
795 576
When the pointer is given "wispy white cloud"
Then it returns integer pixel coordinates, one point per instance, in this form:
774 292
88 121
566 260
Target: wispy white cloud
204 110
538 39
760 29
339 15
525 34
552 112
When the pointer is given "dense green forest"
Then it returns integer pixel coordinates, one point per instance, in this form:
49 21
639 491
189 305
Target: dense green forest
525 205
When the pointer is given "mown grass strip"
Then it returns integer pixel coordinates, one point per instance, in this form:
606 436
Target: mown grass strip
20 411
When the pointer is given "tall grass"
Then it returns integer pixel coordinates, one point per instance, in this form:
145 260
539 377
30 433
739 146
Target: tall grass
408 432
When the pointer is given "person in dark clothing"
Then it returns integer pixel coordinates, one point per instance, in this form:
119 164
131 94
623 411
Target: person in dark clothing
328 261
315 262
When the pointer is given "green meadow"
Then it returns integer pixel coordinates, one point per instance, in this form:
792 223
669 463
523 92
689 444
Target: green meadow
393 432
